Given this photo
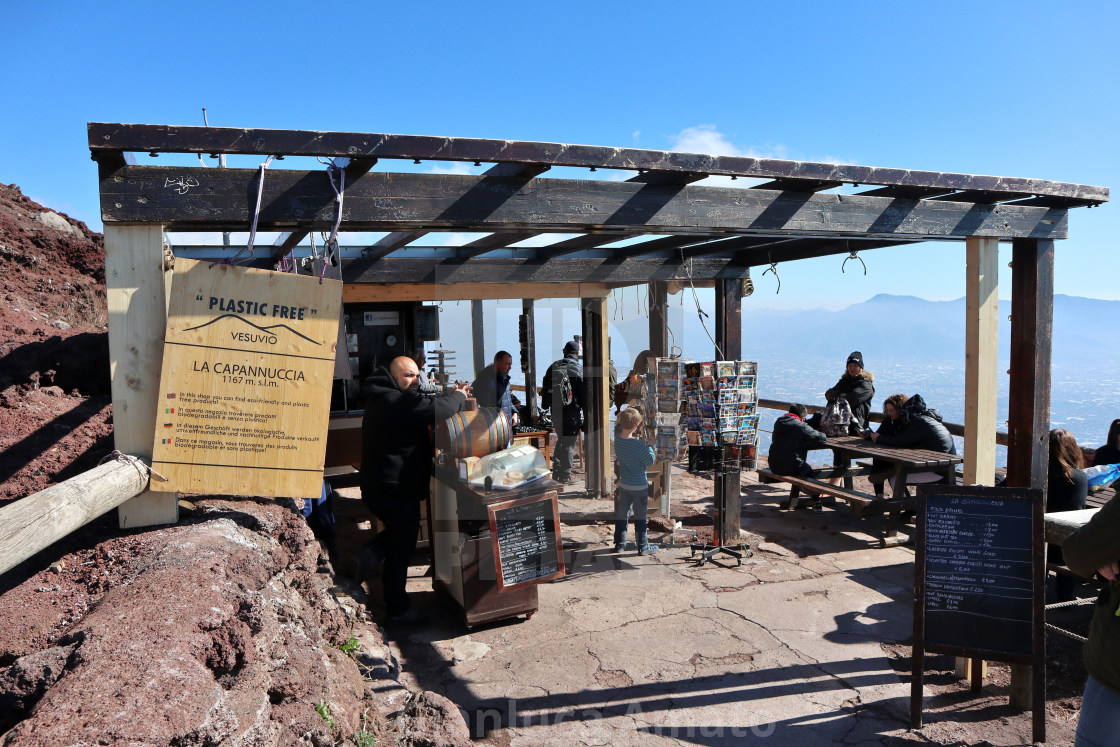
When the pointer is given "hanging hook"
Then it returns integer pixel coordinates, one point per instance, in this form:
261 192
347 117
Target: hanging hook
854 254
774 269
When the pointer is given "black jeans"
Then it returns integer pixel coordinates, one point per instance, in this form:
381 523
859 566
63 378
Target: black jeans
399 511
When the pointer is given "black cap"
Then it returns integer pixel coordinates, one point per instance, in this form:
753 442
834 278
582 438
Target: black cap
856 357
571 346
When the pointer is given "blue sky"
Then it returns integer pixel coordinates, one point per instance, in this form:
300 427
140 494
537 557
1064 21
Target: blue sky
1007 88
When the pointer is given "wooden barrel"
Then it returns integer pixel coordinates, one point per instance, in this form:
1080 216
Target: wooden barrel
475 432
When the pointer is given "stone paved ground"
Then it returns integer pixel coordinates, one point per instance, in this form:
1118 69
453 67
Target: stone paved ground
799 645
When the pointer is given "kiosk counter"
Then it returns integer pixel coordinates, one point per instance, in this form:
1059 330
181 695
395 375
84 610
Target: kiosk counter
490 548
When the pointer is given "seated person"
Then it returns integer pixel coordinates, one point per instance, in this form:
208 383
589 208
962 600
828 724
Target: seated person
921 428
892 425
1067 488
1109 453
791 442
855 386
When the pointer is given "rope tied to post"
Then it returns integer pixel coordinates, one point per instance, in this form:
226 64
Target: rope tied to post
139 464
256 216
330 249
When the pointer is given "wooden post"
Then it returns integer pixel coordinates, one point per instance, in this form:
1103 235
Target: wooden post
530 354
35 522
729 318
729 338
981 348
659 318
597 443
1032 317
478 338
138 285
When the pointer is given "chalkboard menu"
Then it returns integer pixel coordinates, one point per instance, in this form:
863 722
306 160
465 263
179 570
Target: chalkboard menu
979 548
979 583
527 544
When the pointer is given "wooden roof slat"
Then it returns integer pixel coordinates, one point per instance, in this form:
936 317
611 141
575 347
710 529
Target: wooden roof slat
451 202
582 243
798 249
105 138
906 192
665 178
516 170
496 240
391 242
981 196
735 244
799 185
1053 202
666 243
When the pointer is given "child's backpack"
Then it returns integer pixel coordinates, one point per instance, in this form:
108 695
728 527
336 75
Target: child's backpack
837 416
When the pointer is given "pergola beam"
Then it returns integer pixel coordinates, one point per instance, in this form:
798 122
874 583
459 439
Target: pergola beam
565 269
106 139
216 199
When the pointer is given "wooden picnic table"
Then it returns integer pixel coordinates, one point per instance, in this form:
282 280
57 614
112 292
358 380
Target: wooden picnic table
906 461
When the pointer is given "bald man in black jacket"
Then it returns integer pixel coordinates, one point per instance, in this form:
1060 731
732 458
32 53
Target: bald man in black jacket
397 468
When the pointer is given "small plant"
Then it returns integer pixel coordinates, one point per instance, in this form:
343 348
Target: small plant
350 646
324 711
364 739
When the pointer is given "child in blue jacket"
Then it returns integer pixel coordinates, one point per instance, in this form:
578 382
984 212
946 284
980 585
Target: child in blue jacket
633 456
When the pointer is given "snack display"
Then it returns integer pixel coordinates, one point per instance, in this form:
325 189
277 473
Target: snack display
508 468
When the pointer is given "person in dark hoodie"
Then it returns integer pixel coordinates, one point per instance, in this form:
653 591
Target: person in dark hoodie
855 386
921 428
791 441
397 468
1095 548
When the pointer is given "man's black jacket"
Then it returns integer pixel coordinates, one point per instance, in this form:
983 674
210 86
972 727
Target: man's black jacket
791 441
396 440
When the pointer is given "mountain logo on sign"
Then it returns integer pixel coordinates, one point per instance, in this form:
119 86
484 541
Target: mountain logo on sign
266 330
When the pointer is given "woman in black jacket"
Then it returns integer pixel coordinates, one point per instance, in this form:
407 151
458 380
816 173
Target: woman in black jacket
1110 452
1066 490
855 386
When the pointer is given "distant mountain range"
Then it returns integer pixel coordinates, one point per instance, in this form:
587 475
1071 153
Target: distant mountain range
889 328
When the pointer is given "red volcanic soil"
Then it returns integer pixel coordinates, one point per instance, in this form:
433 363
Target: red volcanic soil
55 418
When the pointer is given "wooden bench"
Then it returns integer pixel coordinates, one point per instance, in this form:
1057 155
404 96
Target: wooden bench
861 504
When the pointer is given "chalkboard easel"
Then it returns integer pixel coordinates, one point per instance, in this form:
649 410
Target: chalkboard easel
526 538
979 584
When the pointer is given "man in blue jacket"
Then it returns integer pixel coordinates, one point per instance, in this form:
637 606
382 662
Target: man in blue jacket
492 389
397 468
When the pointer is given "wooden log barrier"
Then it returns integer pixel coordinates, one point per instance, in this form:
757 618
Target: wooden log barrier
35 522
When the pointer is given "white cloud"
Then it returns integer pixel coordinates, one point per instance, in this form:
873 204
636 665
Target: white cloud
704 138
456 167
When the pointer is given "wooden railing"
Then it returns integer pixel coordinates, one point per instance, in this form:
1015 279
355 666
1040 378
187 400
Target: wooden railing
876 417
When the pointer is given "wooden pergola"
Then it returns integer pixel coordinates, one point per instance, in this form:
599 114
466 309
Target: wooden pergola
654 226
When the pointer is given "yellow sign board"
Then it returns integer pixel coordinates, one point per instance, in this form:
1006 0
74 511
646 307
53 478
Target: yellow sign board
248 363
